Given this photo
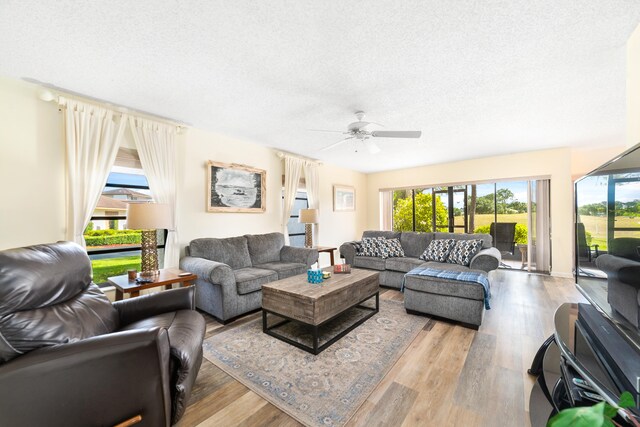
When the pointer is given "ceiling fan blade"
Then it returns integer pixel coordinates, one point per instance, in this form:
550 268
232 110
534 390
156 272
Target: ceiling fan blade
329 147
324 130
396 134
372 147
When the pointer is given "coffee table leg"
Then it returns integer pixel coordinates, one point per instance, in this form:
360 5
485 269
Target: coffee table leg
377 302
119 295
264 321
315 339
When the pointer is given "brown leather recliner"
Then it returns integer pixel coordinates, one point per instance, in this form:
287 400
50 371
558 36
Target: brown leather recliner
68 357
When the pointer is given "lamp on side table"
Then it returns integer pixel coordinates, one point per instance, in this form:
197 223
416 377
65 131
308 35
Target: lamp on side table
149 217
308 217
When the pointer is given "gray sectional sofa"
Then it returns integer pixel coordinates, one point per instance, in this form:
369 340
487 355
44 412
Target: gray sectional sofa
451 299
231 271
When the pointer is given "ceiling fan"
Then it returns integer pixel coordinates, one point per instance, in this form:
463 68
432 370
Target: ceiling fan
359 131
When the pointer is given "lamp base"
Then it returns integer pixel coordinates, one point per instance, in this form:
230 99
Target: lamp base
308 235
149 256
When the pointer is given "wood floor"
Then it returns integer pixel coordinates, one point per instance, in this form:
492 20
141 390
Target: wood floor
449 376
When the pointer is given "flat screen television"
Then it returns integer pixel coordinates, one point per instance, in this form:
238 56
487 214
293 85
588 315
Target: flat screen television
607 227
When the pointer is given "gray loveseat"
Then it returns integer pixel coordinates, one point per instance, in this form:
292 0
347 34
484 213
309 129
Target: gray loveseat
231 271
447 298
622 265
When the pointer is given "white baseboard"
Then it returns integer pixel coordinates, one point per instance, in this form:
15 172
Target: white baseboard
562 274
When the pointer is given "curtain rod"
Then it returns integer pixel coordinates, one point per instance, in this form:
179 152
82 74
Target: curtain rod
50 93
283 154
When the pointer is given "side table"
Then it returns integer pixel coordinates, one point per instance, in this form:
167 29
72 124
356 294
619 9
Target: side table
166 278
327 249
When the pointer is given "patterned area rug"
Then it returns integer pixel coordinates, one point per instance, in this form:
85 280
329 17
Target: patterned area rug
322 390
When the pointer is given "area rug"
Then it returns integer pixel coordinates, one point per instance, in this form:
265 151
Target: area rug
322 390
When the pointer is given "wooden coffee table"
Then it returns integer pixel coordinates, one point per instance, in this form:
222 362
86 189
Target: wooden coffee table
166 278
295 300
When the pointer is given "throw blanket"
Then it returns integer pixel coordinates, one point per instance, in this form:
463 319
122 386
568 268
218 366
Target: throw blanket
462 276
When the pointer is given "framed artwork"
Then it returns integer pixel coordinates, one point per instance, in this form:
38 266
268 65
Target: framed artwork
235 188
344 198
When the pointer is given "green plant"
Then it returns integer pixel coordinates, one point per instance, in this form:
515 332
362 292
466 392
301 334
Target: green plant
403 213
520 236
115 239
600 414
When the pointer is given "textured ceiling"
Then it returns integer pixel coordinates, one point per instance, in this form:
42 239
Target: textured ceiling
479 78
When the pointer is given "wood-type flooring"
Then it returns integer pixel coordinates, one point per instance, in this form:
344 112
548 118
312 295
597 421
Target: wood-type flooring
449 376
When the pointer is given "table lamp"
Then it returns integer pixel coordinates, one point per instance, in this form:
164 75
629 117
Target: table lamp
308 217
148 217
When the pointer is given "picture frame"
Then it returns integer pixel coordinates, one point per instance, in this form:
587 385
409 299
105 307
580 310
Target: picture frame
235 188
344 198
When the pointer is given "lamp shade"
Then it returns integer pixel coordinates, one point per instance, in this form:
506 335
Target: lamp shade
148 216
308 216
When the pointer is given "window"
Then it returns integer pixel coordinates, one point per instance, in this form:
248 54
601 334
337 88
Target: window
296 229
112 248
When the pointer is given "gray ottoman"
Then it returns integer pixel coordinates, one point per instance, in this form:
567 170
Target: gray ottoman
450 299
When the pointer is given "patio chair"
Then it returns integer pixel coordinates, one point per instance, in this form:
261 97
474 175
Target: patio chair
590 252
504 238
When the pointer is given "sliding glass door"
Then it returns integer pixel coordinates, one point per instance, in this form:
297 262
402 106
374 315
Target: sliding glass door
506 210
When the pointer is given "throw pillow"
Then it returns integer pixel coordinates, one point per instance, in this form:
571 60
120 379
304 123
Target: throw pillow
438 250
370 247
390 248
463 251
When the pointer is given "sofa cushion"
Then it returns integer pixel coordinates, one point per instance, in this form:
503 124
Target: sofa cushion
251 279
372 263
264 248
438 250
414 243
232 251
390 248
439 286
487 239
284 269
464 251
380 233
402 264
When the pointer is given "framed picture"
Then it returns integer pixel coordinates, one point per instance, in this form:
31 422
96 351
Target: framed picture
344 198
235 188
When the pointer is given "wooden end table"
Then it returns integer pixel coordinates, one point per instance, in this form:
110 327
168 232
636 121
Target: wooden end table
166 278
327 249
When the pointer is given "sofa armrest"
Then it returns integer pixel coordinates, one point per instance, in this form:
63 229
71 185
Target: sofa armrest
348 251
103 380
134 309
622 269
212 271
486 260
306 256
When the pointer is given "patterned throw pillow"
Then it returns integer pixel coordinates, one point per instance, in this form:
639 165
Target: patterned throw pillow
358 247
463 251
438 250
390 248
370 246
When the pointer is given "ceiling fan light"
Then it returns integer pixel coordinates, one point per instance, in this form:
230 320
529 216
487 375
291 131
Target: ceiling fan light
372 148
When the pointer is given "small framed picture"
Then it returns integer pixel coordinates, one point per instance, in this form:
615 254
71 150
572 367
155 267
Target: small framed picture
344 198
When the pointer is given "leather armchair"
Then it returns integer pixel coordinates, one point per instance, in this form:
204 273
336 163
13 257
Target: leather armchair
68 357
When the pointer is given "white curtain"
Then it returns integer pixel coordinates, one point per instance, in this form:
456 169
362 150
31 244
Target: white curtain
92 138
157 150
542 226
292 171
312 181
386 210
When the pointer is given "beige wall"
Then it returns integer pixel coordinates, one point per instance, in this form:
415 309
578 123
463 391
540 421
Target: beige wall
32 166
586 159
633 88
198 146
32 176
554 164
